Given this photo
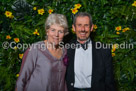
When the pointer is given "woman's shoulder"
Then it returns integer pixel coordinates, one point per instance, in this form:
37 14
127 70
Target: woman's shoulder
38 44
34 46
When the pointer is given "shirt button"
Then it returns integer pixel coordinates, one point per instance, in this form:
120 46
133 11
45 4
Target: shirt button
71 84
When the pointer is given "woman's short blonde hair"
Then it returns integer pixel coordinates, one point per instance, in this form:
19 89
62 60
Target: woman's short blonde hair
59 19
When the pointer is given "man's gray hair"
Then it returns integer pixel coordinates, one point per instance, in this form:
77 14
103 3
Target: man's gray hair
83 14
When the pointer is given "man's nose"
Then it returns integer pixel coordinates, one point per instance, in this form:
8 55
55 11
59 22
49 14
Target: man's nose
83 28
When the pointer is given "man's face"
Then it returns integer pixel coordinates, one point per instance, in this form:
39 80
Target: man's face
82 28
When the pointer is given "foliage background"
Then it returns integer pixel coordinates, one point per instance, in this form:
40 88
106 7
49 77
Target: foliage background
106 14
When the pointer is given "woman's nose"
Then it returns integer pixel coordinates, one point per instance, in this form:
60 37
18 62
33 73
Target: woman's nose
56 33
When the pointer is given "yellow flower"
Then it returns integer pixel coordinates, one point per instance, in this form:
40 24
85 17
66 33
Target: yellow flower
77 6
36 32
11 16
21 56
115 46
40 11
113 50
118 28
16 40
73 31
8 14
34 8
134 4
8 37
17 75
50 11
113 54
125 29
118 33
95 26
15 48
74 11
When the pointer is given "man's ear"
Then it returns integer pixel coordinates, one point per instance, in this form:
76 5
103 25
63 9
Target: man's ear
92 28
73 28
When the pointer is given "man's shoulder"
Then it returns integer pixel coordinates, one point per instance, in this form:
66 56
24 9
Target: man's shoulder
72 41
103 47
71 45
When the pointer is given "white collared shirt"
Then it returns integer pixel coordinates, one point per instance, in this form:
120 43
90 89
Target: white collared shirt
83 67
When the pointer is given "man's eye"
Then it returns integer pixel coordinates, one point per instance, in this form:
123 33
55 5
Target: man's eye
79 25
86 25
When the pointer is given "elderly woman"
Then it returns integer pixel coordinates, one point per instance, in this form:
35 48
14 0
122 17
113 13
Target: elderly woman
43 66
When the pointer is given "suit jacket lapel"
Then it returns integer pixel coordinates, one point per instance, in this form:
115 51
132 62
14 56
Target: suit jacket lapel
94 62
71 54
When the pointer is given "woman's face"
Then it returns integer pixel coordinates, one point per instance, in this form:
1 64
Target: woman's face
55 34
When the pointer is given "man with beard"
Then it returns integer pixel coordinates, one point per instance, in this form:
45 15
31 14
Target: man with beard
89 68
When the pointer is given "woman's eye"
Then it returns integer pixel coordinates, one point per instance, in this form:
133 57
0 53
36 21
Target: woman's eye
52 30
61 31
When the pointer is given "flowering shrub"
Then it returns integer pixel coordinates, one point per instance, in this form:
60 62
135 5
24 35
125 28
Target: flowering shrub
22 22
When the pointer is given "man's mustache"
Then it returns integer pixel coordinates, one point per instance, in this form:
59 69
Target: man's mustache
83 31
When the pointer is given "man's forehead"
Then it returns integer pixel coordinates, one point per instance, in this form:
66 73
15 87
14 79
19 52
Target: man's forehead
81 20
80 17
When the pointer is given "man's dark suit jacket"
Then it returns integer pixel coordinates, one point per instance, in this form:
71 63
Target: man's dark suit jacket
102 69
